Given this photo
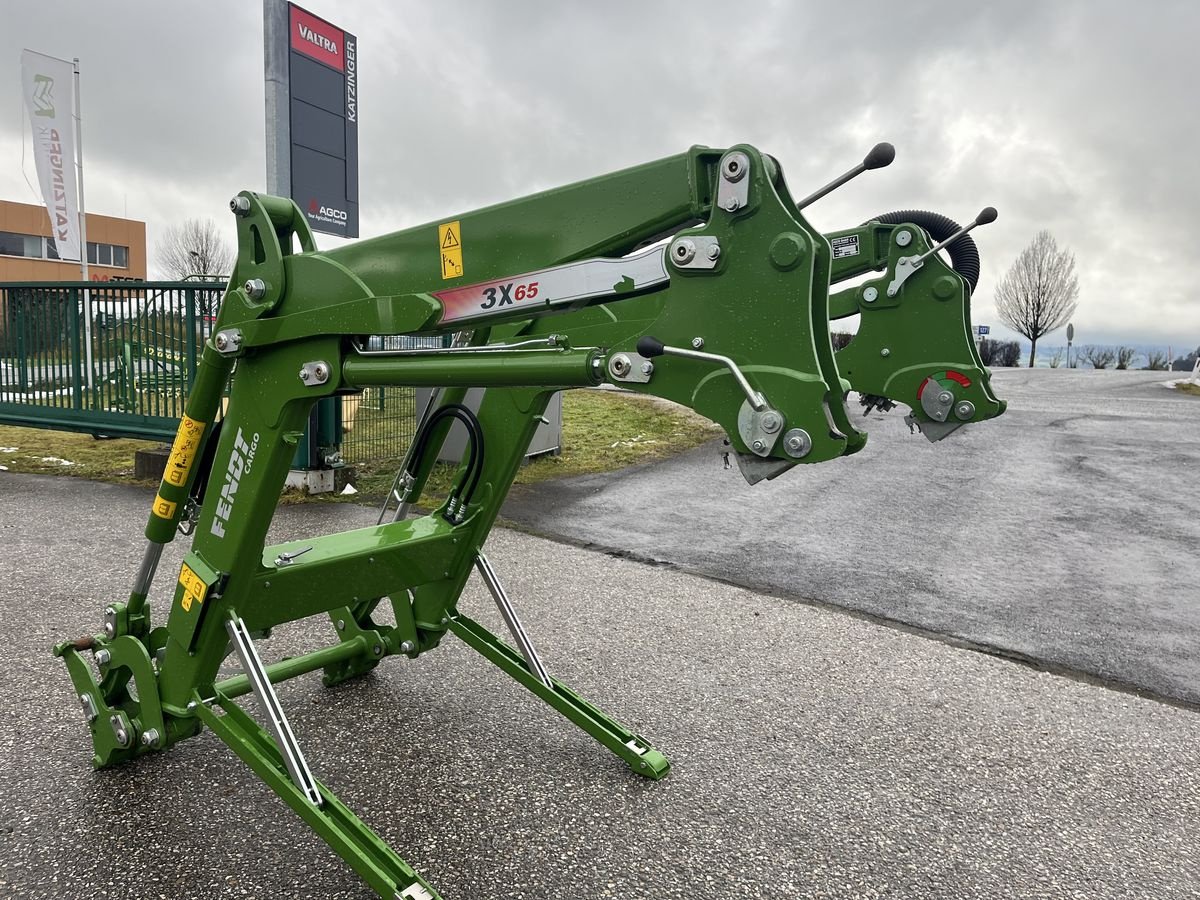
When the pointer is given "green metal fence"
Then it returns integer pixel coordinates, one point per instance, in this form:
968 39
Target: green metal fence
146 341
130 380
379 423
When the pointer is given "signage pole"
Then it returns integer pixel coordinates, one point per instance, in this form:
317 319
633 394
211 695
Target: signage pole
83 260
279 138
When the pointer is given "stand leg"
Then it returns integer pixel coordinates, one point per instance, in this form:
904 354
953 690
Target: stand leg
631 747
387 874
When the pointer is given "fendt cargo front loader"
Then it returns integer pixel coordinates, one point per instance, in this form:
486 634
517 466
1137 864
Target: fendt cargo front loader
695 278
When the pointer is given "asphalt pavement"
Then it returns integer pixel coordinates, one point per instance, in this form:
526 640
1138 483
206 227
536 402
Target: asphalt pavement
1065 532
815 754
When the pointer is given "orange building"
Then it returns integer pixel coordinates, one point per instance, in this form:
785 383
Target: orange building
116 247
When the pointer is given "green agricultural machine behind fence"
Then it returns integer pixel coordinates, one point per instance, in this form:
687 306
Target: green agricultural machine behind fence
696 278
146 342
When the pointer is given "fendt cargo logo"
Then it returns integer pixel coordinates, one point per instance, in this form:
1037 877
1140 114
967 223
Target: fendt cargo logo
332 214
240 461
317 38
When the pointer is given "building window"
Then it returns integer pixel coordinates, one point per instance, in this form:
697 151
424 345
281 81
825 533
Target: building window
98 254
27 245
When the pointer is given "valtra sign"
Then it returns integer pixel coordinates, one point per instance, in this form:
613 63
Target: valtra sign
318 39
323 122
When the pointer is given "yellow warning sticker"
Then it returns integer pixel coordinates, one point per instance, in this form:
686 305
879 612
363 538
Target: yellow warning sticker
183 451
164 509
450 246
194 588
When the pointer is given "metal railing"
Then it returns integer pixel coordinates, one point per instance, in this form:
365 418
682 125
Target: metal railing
130 380
146 340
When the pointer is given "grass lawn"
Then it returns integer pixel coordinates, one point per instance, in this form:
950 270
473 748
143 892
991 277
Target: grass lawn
602 431
65 453
1188 388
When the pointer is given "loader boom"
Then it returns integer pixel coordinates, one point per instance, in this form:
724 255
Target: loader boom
695 278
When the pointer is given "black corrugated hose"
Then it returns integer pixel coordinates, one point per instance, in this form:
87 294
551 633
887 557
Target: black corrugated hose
964 255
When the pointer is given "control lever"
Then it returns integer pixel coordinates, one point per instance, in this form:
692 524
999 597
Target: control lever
651 347
909 264
881 155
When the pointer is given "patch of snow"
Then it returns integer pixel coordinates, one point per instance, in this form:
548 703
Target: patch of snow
9 449
3 468
57 459
348 490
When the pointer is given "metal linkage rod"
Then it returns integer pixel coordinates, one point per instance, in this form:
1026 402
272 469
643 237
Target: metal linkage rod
260 683
510 619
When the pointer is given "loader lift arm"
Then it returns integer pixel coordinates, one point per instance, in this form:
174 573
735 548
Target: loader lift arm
695 278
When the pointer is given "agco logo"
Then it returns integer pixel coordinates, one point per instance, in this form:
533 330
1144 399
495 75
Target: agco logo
326 213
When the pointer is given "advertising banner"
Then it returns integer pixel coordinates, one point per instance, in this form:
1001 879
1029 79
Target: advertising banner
48 86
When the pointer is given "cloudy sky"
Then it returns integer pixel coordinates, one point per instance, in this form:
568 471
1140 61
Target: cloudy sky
1078 116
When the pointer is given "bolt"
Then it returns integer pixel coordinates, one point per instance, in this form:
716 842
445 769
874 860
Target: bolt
797 443
714 251
255 288
445 620
732 204
885 352
945 397
221 340
240 206
122 736
697 343
684 251
965 410
150 738
903 238
759 446
870 295
103 657
620 365
771 422
191 704
341 624
305 375
734 166
407 647
321 372
647 367
377 650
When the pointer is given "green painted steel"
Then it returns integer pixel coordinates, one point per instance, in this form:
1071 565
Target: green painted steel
693 278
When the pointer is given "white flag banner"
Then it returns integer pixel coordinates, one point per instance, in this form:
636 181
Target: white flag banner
48 85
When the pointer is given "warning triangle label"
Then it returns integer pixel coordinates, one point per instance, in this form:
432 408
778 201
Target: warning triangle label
450 240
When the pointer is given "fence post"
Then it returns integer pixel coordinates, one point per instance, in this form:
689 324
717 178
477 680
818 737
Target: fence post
76 352
22 357
189 375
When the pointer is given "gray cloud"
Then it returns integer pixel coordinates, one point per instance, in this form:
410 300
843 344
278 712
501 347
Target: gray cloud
1074 116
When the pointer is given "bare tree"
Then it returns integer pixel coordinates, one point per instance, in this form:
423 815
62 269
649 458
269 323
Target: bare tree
1056 359
193 248
1040 291
1098 357
1156 360
1125 356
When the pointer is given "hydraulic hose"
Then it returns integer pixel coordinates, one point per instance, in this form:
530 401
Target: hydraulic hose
964 255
